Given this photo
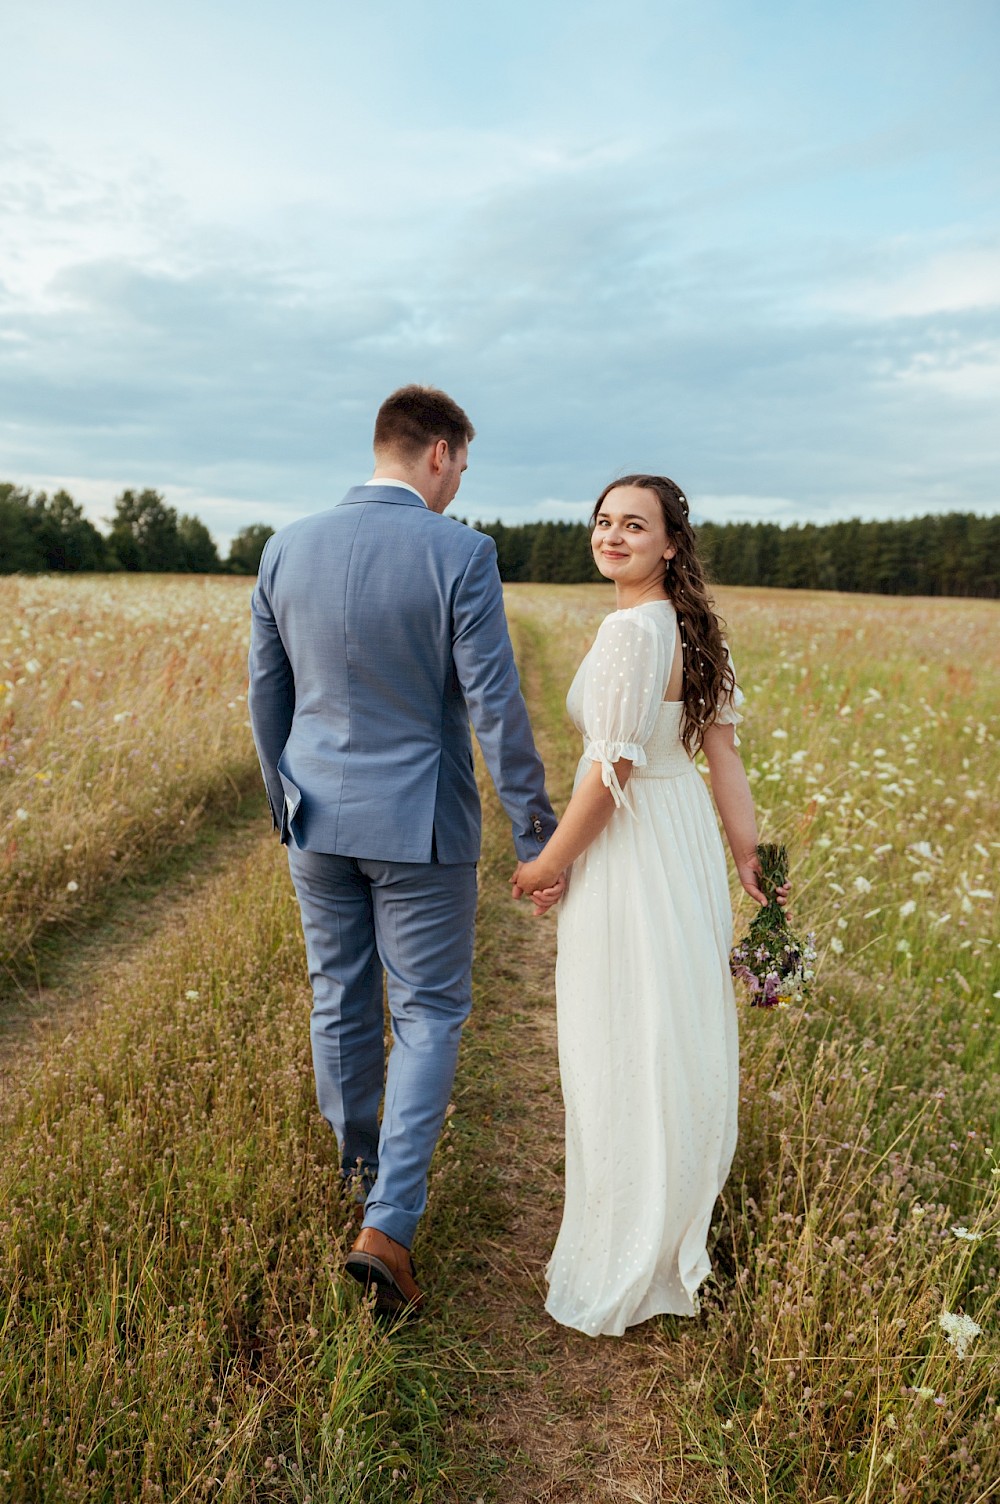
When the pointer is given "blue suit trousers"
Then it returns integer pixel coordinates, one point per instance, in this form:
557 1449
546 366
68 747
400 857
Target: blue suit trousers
412 922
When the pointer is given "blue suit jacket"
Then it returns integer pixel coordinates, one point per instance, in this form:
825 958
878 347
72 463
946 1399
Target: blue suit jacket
377 631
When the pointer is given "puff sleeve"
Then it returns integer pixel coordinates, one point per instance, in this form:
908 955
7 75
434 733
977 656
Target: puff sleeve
727 713
626 674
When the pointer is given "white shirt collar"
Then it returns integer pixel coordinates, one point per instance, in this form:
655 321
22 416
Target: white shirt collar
404 485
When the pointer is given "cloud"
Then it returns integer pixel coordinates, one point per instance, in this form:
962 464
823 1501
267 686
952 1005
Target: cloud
953 281
747 508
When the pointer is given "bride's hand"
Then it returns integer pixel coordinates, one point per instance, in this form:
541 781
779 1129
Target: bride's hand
749 873
543 888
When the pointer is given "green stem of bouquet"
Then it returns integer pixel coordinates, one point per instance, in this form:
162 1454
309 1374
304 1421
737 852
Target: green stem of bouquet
770 918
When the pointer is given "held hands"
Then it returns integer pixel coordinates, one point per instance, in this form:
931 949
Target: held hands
544 887
749 874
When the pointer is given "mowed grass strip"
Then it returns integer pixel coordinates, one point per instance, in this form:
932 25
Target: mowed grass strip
865 1198
122 725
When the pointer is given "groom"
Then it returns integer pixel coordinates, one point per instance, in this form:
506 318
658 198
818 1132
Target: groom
377 632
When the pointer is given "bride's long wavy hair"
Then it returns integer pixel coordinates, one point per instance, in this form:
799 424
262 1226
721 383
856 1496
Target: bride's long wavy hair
708 677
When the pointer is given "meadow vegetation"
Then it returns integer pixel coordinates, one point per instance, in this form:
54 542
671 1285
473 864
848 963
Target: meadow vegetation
173 1322
122 721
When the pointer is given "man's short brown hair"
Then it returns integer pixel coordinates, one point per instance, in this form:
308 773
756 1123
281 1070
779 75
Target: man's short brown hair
416 416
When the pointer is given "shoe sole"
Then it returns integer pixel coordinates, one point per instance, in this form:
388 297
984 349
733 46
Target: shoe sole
372 1273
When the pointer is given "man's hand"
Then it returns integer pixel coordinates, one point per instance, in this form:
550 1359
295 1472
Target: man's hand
544 887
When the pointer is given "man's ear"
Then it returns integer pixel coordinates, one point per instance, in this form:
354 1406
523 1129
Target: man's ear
439 454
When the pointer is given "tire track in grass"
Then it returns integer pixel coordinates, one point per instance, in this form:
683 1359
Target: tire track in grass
68 960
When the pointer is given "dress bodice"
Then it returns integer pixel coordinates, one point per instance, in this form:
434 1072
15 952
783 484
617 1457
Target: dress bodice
616 698
666 754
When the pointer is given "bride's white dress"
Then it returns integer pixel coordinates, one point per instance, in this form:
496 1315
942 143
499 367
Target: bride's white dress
645 1003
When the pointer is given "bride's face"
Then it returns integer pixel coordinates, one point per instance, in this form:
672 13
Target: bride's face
630 540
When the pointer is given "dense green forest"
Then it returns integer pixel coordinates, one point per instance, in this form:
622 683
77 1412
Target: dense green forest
40 533
954 554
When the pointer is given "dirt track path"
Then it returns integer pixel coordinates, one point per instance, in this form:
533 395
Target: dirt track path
568 1418
77 967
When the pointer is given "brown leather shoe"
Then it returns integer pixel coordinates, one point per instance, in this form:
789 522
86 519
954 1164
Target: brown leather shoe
379 1262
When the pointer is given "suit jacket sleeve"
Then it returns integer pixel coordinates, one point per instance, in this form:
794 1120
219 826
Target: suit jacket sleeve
271 694
484 662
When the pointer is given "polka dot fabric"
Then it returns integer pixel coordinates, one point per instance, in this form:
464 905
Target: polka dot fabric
648 1050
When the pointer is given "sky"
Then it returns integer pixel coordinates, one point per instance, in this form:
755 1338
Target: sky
754 246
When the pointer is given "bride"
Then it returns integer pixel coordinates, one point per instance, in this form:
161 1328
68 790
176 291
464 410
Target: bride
645 1004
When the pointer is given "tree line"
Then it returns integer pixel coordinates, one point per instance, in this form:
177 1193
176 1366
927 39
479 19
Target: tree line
957 553
41 534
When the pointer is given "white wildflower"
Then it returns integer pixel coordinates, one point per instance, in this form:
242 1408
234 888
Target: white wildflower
780 735
903 945
907 908
965 1235
72 887
192 995
923 1393
76 704
21 814
837 946
923 877
959 1330
924 849
862 885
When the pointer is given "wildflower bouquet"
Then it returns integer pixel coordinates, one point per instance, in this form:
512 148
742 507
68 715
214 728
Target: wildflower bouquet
772 963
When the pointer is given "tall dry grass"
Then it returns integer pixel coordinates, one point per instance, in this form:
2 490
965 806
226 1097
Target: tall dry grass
122 718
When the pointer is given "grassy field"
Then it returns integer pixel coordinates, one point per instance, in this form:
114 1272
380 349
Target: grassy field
122 721
174 1325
